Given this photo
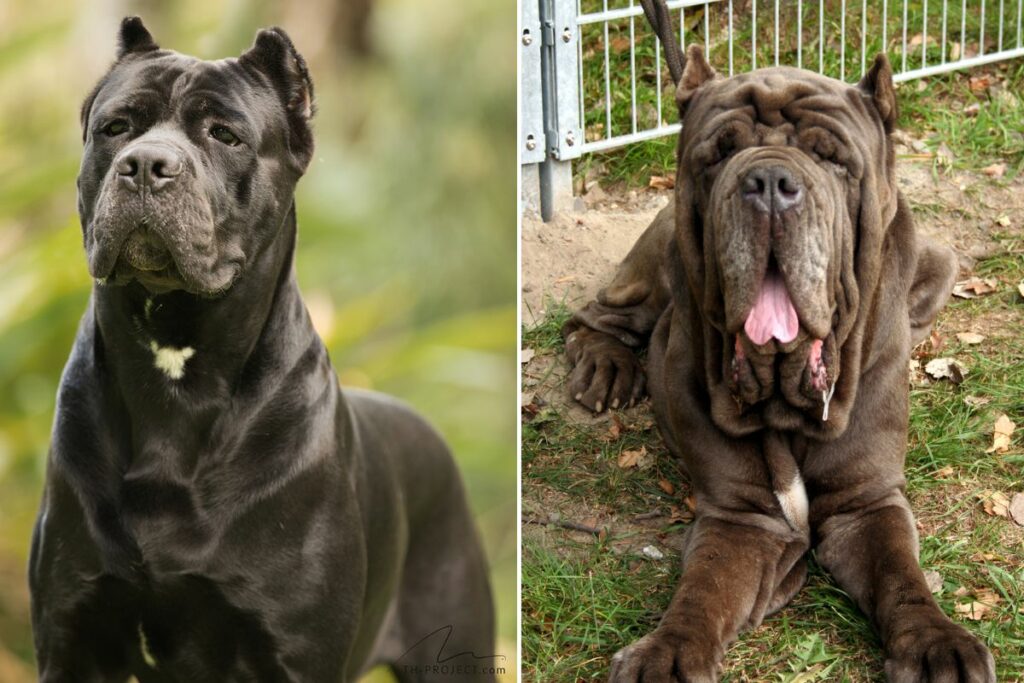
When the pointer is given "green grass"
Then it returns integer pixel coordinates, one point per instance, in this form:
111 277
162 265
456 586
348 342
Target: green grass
585 599
934 112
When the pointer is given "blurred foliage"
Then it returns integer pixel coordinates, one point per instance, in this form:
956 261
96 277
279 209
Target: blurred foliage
406 230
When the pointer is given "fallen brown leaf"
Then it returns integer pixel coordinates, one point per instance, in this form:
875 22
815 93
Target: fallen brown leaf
1001 433
1017 508
666 486
975 611
995 170
662 182
1003 221
995 503
974 286
934 580
970 337
944 473
629 459
678 515
691 503
975 401
526 355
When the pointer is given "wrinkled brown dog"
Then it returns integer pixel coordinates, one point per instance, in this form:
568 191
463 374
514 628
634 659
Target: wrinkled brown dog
780 296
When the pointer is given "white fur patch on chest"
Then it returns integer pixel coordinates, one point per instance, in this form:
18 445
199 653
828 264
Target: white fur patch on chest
171 360
793 501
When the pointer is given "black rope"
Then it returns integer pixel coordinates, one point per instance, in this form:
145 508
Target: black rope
661 21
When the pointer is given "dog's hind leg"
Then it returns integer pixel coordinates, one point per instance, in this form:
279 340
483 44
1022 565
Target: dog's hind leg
442 628
602 338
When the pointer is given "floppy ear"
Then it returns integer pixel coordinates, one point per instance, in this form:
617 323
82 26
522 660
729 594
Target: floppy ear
877 83
134 37
696 73
274 56
933 283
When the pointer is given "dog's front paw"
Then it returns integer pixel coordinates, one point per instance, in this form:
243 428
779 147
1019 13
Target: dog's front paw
939 651
658 658
606 373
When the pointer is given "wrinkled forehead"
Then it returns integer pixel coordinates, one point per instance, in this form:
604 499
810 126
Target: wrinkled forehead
168 81
781 97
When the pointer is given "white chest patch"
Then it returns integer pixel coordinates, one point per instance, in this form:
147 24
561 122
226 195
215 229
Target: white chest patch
794 503
170 360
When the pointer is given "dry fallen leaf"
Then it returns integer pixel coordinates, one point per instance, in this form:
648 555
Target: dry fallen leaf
945 368
995 170
975 401
995 503
975 611
691 503
974 286
980 83
1017 508
678 515
662 182
970 337
972 109
944 473
666 486
526 355
1020 288
934 580
1003 221
640 459
1001 433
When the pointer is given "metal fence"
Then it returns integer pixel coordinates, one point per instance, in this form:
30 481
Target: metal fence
593 77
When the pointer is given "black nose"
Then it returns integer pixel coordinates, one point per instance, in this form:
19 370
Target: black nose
148 166
772 189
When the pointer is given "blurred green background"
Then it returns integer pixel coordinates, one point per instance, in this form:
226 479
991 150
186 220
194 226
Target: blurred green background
407 229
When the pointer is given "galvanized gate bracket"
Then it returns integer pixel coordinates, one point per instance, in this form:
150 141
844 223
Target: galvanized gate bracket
532 147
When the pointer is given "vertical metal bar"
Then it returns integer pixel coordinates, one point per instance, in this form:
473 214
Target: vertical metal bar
1020 6
800 34
924 36
1000 42
657 74
842 42
904 54
776 30
707 31
885 26
945 12
981 34
753 35
731 41
963 29
579 61
632 66
821 36
682 28
863 38
607 83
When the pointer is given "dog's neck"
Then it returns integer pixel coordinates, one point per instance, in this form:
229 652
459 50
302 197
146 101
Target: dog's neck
166 348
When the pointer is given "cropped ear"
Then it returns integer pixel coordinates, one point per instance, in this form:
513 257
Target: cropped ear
933 283
877 84
134 37
274 56
696 73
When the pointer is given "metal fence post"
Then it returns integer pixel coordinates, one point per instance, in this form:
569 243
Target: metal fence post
551 134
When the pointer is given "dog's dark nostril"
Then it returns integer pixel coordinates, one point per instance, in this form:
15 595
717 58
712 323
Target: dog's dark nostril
771 189
152 166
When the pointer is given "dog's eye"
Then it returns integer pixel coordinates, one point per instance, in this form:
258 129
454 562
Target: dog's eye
115 128
223 135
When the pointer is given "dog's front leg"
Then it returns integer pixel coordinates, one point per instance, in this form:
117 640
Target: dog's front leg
733 574
873 556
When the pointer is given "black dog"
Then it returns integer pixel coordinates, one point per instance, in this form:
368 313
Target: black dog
215 508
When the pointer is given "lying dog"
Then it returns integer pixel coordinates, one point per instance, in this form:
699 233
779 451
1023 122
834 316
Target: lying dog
781 294
215 508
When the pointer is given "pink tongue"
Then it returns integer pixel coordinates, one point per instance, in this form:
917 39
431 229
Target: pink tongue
773 314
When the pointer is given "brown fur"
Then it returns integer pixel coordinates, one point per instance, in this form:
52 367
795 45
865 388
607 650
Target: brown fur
747 424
